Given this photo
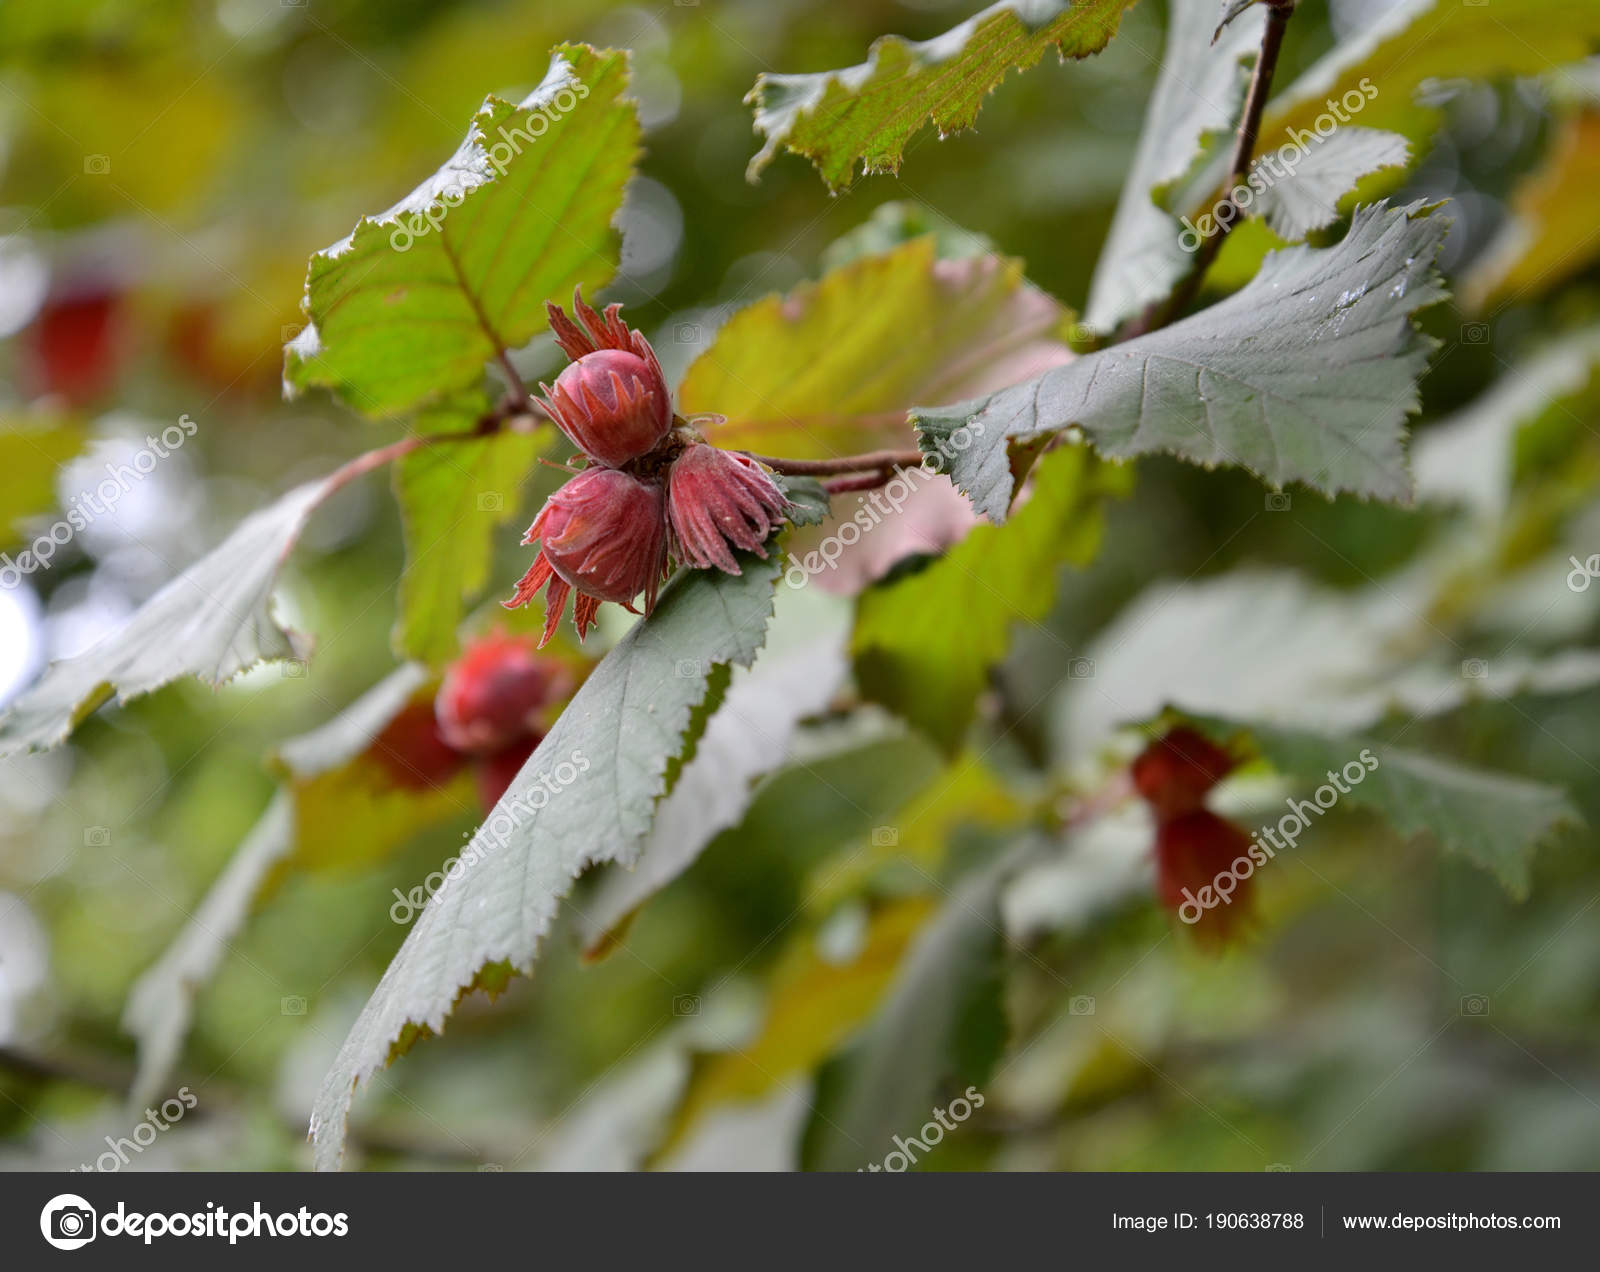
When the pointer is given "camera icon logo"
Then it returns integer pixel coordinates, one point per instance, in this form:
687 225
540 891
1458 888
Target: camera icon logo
1081 669
294 669
1475 333
1474 668
1474 1004
292 1005
67 1222
491 501
97 165
1081 1005
885 836
1278 501
686 333
686 1005
96 836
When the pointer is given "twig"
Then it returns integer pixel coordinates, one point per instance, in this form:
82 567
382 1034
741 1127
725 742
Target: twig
1160 313
864 481
872 461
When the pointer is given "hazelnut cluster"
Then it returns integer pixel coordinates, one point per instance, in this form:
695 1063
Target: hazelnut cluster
653 492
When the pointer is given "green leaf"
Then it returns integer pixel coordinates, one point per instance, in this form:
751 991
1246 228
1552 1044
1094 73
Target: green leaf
407 310
1268 646
618 739
833 367
1307 374
161 1002
924 644
32 449
808 499
1308 198
213 621
1494 820
452 500
868 113
942 1028
1196 99
749 735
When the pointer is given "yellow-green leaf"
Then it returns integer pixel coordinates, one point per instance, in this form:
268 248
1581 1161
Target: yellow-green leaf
832 367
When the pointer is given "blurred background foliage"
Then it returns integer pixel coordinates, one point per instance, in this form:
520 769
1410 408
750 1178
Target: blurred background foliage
166 169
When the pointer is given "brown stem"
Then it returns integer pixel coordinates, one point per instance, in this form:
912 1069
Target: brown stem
1162 312
871 461
862 481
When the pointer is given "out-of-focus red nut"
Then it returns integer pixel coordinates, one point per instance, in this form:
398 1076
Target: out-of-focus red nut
1204 873
498 692
1176 772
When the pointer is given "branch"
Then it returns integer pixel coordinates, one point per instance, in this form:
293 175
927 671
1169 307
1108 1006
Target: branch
1162 312
871 461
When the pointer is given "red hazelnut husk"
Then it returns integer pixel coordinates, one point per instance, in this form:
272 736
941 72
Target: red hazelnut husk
718 500
604 534
1204 874
1176 772
497 693
612 400
612 405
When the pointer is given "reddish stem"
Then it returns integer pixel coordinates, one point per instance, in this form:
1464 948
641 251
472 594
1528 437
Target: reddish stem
871 461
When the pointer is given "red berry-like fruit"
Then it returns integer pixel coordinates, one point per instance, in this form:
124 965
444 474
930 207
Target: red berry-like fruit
413 751
603 533
1176 772
497 693
718 500
612 404
1204 873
